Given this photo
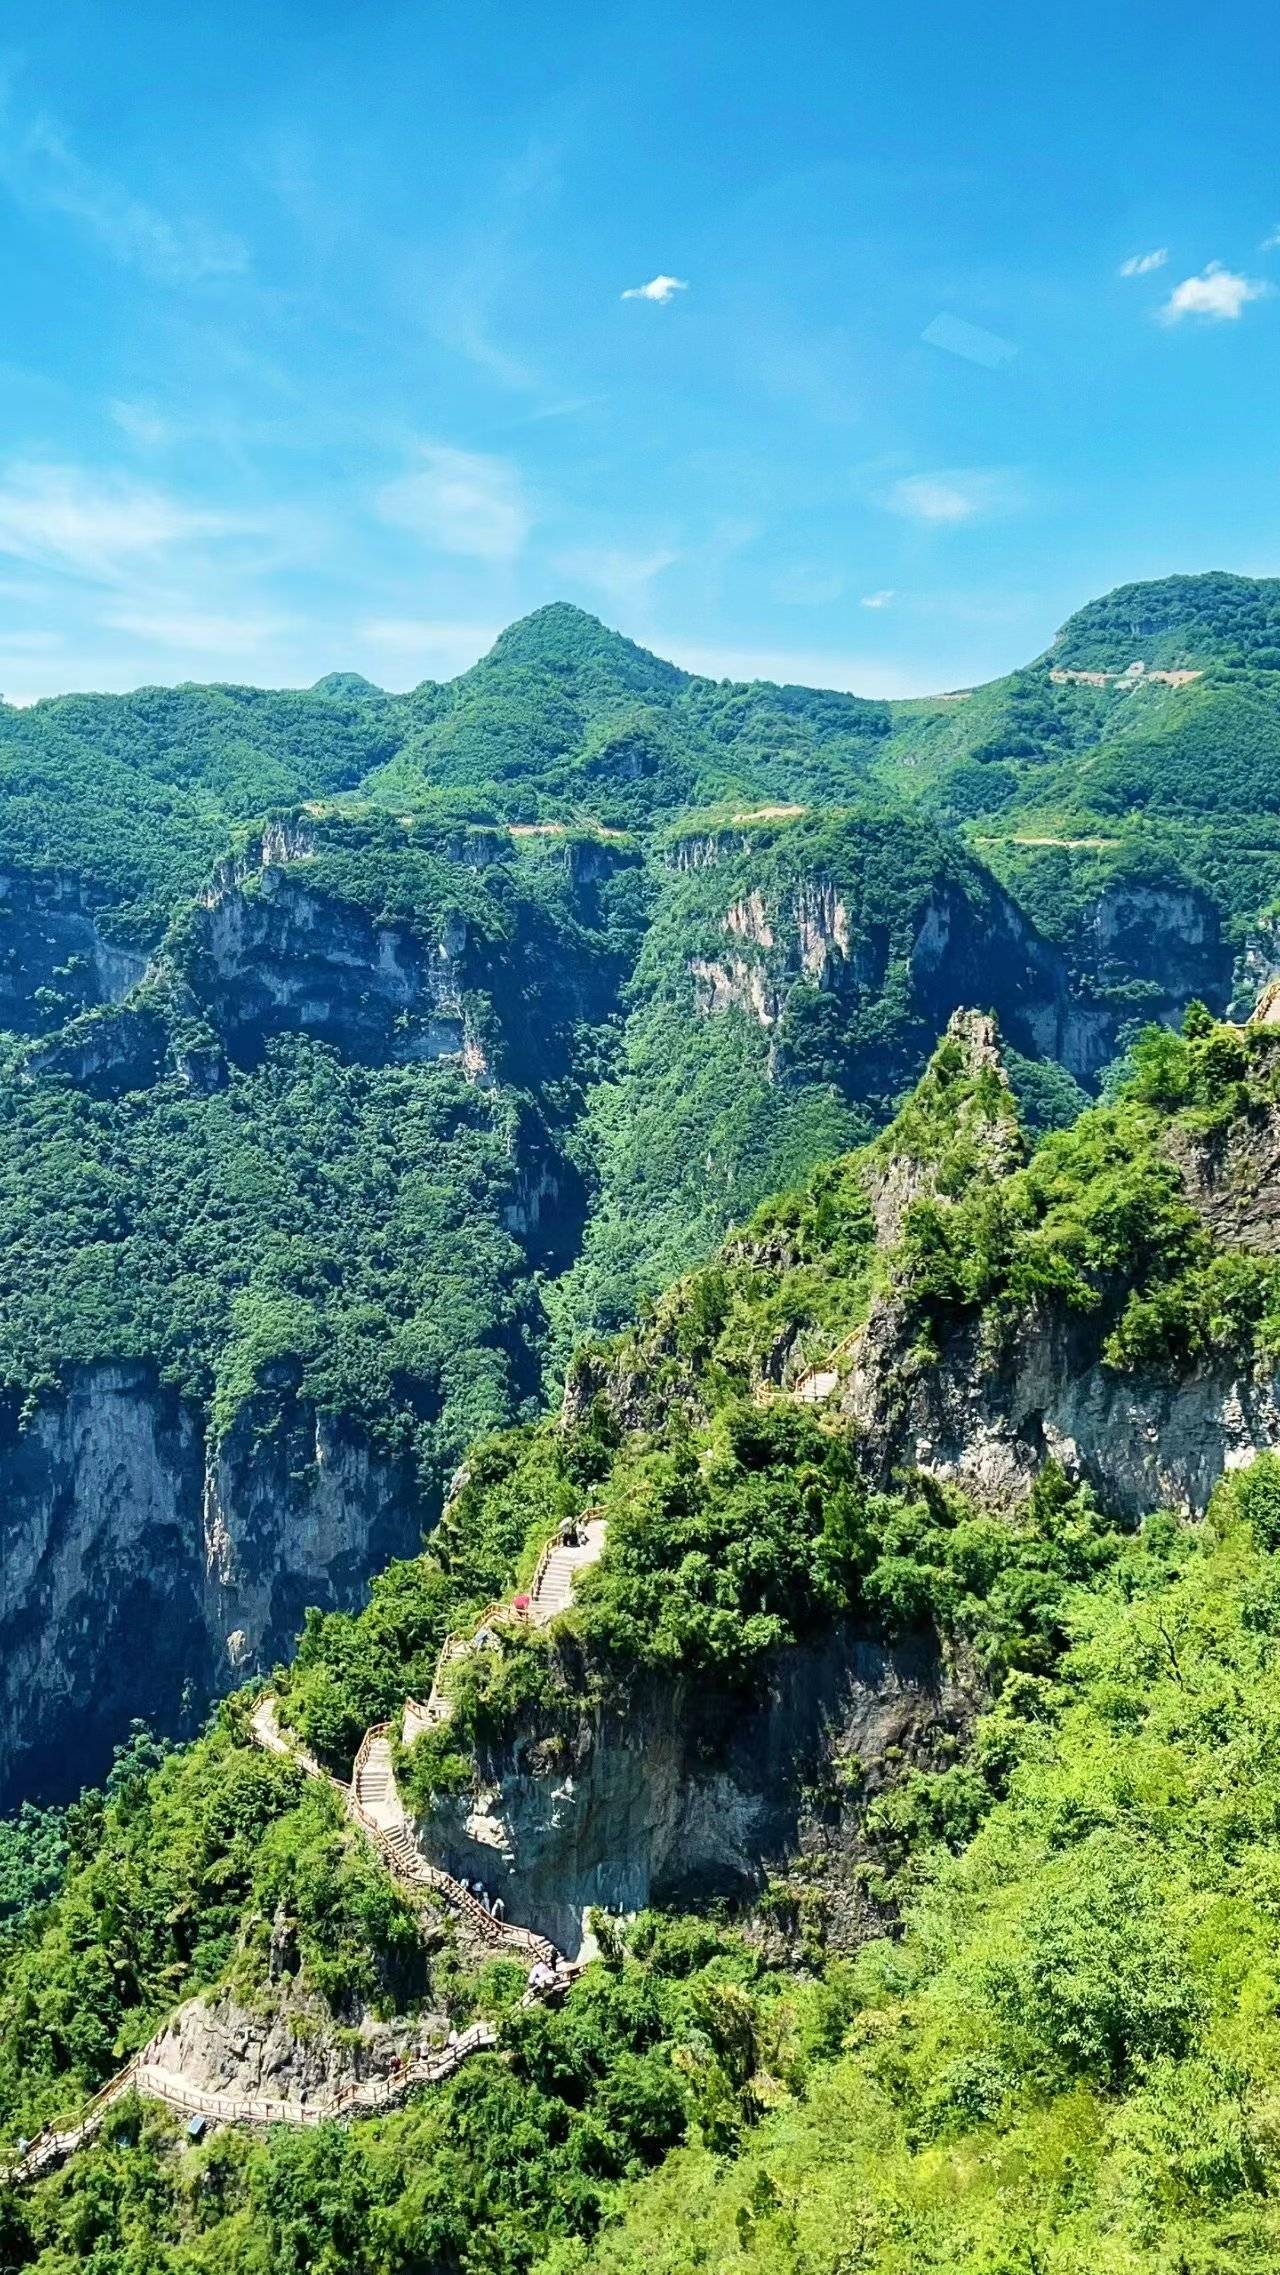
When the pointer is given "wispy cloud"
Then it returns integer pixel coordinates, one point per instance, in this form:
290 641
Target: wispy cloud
1271 241
460 501
1218 293
971 341
624 575
412 647
43 172
150 429
947 497
1142 264
807 585
196 631
879 599
659 288
104 530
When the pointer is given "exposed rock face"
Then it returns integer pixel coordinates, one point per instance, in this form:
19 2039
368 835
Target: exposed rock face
986 1417
107 1053
55 957
810 938
1166 937
961 952
141 1570
274 957
895 1179
991 1405
290 2052
685 1803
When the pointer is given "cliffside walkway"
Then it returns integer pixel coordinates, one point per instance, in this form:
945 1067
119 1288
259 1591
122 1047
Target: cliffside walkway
550 1592
363 2097
817 1383
372 1801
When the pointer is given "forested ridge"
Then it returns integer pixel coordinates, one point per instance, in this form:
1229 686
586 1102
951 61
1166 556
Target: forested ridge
378 1064
1048 2040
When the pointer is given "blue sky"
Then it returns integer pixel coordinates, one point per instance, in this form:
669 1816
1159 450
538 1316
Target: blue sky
324 348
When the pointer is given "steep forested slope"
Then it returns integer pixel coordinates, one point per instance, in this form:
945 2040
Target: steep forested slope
983 1796
360 1052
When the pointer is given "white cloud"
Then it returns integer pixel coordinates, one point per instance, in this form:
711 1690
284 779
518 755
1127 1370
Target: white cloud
938 497
144 426
659 288
972 341
197 631
460 501
808 585
879 599
1271 241
44 174
625 576
1142 264
413 647
1217 293
58 517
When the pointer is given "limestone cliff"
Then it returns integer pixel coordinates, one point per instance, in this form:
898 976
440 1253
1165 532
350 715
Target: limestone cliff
269 955
144 1568
685 1802
284 2049
57 956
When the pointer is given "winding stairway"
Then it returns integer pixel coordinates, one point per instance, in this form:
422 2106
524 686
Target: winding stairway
550 1592
372 1801
365 2097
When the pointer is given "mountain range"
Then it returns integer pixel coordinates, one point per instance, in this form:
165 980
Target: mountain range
813 1161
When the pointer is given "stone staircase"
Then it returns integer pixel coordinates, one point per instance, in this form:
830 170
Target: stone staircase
552 1590
372 1801
550 1593
373 1779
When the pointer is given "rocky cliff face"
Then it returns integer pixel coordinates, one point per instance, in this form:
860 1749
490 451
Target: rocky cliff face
961 950
987 1415
56 957
1147 951
286 2051
142 1569
681 1804
272 956
993 1402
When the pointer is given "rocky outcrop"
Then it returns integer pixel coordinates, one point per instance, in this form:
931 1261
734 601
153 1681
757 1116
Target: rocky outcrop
270 956
56 955
986 1414
105 1052
809 937
987 1407
289 2050
143 1569
690 1798
964 948
1165 940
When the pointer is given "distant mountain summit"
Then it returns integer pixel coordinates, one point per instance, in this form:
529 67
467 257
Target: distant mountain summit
1175 621
577 647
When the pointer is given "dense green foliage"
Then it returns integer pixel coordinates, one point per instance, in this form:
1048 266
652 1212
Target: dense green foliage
1099 1221
1061 2053
1070 2060
342 1222
172 1878
1176 621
